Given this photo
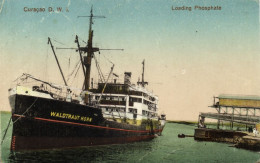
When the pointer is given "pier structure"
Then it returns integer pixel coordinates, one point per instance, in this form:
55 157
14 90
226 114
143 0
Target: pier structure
234 109
242 110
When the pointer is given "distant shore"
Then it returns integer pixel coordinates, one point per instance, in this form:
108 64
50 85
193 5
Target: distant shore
183 122
9 112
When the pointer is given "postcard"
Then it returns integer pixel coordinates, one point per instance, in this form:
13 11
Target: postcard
130 80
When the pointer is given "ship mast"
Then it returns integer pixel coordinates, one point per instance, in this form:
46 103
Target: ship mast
89 49
90 52
143 83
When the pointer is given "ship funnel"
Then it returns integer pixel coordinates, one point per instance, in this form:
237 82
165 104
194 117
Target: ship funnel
127 79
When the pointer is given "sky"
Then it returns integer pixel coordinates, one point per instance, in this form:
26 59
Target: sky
190 56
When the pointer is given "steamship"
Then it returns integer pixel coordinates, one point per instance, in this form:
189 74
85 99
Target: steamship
48 116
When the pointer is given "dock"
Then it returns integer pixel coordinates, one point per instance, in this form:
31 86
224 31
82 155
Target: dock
242 111
218 135
249 142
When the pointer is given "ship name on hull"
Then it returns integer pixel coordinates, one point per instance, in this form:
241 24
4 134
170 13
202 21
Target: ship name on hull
71 116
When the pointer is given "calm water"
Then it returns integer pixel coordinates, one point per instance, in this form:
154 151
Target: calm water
166 148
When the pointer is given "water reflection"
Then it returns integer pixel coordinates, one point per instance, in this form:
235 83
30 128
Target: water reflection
113 153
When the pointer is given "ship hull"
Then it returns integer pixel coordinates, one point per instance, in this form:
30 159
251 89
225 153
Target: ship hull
40 123
35 143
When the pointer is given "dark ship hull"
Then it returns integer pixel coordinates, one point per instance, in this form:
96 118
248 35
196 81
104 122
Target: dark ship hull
40 123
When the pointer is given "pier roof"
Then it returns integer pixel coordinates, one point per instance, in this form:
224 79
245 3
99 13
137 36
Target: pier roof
240 97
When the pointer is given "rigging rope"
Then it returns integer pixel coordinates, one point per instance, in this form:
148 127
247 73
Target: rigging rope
82 40
108 60
26 110
69 65
99 70
73 71
45 75
6 130
58 42
16 120
111 71
76 72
